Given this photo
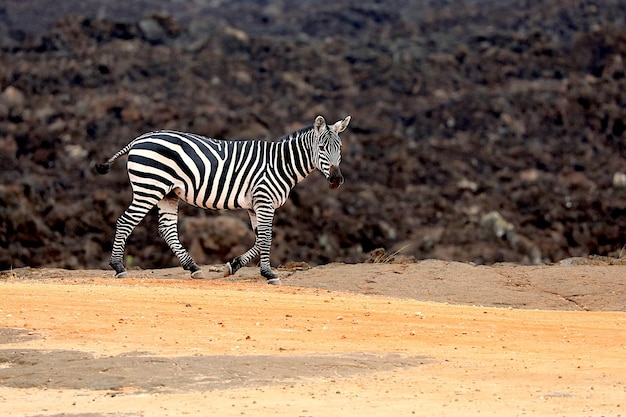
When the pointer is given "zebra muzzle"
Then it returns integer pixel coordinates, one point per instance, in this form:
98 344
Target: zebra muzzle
335 178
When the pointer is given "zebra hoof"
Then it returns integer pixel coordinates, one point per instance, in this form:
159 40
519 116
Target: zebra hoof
228 269
197 274
274 281
122 274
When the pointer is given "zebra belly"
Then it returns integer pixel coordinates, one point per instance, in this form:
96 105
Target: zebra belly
243 201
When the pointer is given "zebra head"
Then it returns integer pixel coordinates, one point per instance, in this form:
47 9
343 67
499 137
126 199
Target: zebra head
326 149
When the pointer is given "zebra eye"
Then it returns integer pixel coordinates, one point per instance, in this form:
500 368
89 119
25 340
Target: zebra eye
322 148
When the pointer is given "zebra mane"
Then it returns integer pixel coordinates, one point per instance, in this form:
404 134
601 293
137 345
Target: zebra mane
296 134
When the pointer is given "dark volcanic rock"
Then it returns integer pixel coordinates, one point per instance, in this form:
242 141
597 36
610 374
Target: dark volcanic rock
460 109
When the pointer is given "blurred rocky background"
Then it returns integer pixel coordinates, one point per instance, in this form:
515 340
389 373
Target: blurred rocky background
482 130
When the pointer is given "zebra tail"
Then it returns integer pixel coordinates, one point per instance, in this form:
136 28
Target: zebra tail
103 168
106 167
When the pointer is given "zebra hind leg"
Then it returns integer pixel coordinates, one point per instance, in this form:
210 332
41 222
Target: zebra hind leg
168 230
123 228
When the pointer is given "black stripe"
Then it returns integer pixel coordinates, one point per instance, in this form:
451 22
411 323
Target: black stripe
147 195
239 153
165 152
151 176
251 167
152 187
226 164
303 158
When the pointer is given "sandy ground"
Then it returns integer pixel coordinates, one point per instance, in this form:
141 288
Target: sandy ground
431 338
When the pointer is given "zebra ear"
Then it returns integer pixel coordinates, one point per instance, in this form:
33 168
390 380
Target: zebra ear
341 125
319 125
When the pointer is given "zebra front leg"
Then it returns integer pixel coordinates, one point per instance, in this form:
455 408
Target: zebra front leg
266 270
265 217
168 230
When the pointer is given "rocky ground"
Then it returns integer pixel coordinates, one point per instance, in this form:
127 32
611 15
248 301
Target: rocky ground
480 133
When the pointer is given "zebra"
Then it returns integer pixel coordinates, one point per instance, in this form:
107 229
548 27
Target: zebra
167 166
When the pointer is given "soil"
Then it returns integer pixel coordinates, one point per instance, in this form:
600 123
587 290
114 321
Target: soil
426 338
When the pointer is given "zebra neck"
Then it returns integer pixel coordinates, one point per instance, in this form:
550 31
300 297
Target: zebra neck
293 158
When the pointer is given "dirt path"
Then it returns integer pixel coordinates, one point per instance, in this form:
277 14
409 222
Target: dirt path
355 339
